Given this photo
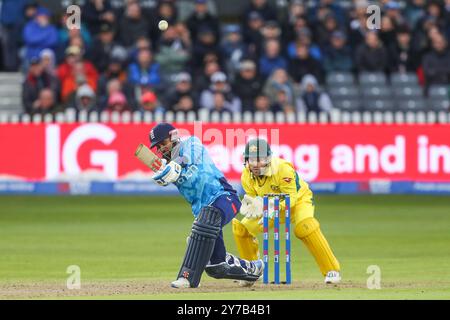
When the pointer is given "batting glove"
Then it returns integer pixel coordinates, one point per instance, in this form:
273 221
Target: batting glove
167 174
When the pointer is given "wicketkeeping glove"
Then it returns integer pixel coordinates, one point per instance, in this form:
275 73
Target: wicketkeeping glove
252 207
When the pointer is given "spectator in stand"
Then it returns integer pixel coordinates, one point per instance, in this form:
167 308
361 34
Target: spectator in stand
436 63
201 18
183 34
280 81
117 102
203 79
97 12
303 64
325 7
233 48
142 43
66 35
114 85
252 33
46 103
247 85
221 104
403 57
292 30
296 19
372 56
48 61
415 10
312 99
262 104
173 52
206 43
272 58
324 30
29 12
297 8
272 30
433 18
435 10
358 25
149 102
393 10
185 104
182 89
284 101
145 72
75 72
388 32
40 34
263 8
36 80
219 84
304 37
103 47
165 10
133 25
338 56
11 22
83 99
115 70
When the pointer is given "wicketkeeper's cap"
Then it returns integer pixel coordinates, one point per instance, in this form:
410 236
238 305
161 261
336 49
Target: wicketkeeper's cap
159 133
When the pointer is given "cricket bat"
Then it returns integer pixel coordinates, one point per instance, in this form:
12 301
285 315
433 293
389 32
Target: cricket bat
147 157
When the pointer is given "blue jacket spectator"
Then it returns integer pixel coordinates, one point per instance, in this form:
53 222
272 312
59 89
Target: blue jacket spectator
11 20
271 58
39 34
304 36
325 7
144 72
12 11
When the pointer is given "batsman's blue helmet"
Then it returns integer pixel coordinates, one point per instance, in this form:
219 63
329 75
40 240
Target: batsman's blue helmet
159 133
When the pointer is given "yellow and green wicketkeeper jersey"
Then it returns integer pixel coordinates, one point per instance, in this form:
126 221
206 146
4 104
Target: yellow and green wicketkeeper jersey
280 177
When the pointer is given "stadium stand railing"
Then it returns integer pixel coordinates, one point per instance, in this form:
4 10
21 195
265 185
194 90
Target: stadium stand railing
336 116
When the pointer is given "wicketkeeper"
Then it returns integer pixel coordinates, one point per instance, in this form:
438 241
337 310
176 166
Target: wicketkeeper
214 202
264 173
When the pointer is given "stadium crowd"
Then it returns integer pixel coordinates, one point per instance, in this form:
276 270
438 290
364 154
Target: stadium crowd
267 59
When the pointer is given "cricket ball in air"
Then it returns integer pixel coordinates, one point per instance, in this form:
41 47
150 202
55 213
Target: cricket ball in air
163 25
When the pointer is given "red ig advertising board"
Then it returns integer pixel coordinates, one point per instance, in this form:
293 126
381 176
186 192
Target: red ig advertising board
320 153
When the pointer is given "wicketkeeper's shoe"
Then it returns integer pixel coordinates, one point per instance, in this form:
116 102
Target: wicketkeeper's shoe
180 283
333 277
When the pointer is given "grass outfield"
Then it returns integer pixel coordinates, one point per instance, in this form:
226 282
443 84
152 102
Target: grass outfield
131 248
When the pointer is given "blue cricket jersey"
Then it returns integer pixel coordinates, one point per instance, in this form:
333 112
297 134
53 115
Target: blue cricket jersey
200 182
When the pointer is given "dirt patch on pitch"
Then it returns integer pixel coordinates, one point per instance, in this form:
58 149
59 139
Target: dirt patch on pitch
136 288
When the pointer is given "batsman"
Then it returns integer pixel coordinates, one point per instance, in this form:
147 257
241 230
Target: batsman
214 202
264 173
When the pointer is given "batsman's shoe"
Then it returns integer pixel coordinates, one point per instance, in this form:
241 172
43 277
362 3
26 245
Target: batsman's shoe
258 268
180 283
235 268
333 277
